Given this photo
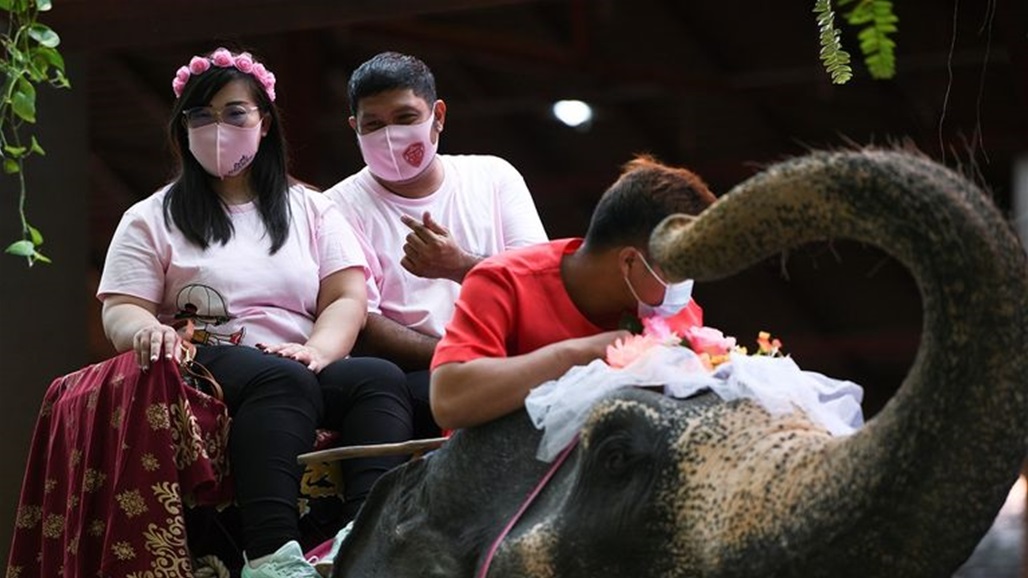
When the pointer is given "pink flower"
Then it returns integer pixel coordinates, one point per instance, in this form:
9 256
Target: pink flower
222 57
709 340
624 351
244 62
658 328
199 65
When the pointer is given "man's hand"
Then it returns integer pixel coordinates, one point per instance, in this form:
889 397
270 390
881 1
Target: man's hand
431 252
583 350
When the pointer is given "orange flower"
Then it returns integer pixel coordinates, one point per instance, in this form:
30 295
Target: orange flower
624 351
768 346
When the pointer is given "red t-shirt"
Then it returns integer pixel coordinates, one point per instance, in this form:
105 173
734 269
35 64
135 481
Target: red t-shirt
514 303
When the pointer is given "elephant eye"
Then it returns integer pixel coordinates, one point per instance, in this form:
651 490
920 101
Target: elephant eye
616 455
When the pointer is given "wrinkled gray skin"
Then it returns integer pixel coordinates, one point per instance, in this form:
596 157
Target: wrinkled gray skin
661 487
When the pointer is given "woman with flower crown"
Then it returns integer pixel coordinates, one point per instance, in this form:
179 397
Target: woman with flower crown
272 281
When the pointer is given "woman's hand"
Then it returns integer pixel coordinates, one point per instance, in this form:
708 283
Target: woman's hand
152 341
305 354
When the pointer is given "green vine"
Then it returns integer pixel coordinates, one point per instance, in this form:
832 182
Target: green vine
878 22
30 57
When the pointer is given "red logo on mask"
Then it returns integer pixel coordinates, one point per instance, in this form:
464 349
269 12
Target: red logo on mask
414 154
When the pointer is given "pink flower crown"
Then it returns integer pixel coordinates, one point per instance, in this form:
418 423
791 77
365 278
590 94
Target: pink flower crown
222 58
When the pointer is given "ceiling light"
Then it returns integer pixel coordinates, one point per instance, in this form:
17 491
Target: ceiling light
573 113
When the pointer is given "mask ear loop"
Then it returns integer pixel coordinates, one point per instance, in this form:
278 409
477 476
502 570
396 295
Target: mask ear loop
652 272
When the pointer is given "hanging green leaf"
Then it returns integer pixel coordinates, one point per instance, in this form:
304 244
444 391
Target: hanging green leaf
878 21
833 57
35 147
42 34
14 151
23 248
11 166
35 236
23 101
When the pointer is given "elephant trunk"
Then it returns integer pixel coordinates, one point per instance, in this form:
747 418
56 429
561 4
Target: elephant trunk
912 492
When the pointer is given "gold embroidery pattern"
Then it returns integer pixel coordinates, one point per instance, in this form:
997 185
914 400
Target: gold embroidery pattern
217 447
123 551
13 571
75 457
96 528
150 462
93 479
49 485
186 435
92 399
117 417
167 543
158 416
29 516
73 501
117 380
48 408
73 545
53 526
132 503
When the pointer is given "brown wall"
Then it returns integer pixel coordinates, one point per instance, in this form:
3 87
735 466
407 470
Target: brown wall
43 333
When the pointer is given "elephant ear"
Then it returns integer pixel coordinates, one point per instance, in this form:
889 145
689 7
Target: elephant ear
393 529
912 492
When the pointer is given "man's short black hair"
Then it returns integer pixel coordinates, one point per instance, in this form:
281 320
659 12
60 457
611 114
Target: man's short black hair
391 71
645 193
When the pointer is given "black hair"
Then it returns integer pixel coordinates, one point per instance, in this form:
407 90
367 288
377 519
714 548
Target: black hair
645 193
191 203
391 71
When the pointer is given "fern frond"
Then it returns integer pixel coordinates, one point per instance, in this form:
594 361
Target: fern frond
833 57
878 21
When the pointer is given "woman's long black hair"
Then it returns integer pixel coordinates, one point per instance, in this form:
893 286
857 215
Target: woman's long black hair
192 203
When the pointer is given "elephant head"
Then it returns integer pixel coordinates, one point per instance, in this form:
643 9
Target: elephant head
659 487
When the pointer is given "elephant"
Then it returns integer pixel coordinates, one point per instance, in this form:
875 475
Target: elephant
661 487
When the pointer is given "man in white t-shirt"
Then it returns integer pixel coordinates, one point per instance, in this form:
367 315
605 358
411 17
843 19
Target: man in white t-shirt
424 219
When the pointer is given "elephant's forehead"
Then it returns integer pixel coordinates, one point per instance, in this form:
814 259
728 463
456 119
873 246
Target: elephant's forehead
730 460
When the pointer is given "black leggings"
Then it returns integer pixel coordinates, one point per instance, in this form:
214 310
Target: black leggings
276 404
366 401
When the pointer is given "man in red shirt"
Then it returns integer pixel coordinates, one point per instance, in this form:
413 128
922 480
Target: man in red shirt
528 315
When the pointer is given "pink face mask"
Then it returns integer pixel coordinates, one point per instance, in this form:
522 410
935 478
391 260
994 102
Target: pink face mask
224 150
399 152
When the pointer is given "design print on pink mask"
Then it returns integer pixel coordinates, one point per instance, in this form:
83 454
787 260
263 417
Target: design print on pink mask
399 152
224 150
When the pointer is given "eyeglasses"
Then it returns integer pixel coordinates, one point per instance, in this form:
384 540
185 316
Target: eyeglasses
233 114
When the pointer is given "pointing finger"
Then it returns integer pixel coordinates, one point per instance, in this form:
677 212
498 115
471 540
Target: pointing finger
434 226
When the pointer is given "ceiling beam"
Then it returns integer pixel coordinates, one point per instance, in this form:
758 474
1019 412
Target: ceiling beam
96 25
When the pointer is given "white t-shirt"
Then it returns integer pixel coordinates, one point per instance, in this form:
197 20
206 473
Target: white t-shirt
484 203
237 292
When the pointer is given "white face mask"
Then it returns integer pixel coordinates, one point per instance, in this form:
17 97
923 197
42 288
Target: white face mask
399 152
224 150
676 296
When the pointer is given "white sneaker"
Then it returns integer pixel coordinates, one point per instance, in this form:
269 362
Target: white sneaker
324 564
286 562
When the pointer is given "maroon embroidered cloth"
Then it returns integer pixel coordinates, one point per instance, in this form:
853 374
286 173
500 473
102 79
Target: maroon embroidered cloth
116 455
